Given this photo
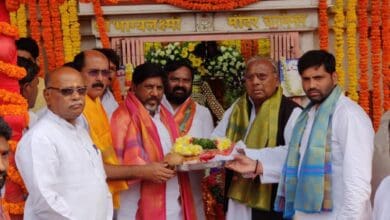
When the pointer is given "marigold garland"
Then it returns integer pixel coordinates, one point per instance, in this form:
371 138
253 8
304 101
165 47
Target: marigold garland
97 8
12 18
208 5
376 61
264 47
351 50
12 71
66 39
47 34
338 28
74 27
35 31
22 20
57 33
323 24
364 94
7 97
386 53
116 90
13 208
12 5
9 30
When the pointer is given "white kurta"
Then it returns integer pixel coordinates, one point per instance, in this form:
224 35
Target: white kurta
238 210
382 201
352 149
202 126
129 198
109 103
63 172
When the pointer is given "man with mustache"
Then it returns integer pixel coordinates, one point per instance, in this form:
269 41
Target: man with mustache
143 132
193 119
60 165
324 172
262 117
5 136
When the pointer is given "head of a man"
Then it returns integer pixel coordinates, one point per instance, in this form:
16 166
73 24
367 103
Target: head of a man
261 79
27 48
5 135
29 84
318 72
94 67
114 62
65 93
178 86
148 85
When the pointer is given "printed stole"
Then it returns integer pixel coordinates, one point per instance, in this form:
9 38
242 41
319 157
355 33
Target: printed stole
311 192
144 147
184 116
100 132
262 133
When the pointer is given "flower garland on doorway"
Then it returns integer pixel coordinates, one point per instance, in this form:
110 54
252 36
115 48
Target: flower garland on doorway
47 34
208 5
338 28
376 61
97 8
74 27
57 33
363 59
66 39
323 24
386 53
19 19
351 50
35 31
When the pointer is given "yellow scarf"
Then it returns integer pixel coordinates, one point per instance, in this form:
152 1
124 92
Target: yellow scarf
262 133
99 129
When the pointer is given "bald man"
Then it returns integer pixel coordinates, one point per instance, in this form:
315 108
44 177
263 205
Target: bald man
61 167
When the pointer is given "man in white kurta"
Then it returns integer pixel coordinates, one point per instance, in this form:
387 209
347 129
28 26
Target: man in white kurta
351 143
178 89
61 167
262 85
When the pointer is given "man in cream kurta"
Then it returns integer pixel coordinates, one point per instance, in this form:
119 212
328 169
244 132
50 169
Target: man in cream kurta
350 140
61 167
178 89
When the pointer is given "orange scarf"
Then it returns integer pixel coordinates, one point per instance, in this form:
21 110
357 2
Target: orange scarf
139 143
99 130
185 115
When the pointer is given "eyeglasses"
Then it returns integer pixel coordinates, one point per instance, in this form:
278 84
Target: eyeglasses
70 90
95 72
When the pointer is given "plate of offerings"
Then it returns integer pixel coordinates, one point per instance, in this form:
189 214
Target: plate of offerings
189 153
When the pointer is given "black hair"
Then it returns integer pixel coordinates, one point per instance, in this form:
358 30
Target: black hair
316 58
147 70
5 130
111 55
173 65
32 70
28 44
79 61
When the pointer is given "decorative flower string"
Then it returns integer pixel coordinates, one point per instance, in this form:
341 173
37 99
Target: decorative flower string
13 19
338 28
47 34
323 24
376 61
351 50
74 27
116 90
22 20
35 31
12 5
364 94
246 49
264 47
207 5
57 33
66 40
12 70
9 30
97 8
386 53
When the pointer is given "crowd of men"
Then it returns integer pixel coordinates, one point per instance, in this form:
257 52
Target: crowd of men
86 156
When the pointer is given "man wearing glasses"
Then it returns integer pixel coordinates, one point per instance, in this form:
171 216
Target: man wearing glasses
61 167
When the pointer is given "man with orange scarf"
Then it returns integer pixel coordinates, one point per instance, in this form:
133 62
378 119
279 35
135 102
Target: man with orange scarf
143 132
193 119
